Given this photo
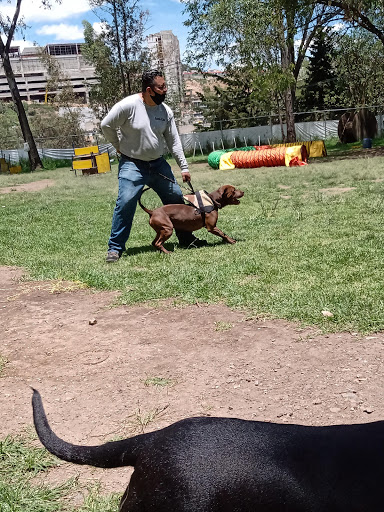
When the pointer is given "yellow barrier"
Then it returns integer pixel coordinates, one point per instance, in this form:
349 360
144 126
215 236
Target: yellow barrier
103 163
89 160
86 151
4 167
315 148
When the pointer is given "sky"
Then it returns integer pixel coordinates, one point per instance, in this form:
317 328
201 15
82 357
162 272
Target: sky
63 22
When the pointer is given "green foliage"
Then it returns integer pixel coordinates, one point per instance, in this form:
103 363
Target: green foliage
320 83
359 63
235 98
49 127
10 128
108 90
55 163
117 52
263 35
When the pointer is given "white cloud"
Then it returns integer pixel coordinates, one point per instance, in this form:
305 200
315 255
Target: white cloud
22 44
62 32
98 27
338 26
33 12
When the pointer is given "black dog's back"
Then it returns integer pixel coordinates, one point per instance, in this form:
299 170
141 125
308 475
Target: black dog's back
229 465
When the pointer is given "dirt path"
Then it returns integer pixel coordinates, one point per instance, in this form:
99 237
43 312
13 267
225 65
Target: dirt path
97 381
35 186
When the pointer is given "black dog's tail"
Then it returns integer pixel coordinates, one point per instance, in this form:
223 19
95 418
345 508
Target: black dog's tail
109 455
141 204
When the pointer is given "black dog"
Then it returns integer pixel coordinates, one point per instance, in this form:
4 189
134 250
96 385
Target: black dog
232 465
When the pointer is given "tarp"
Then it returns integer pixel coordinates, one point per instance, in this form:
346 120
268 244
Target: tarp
15 155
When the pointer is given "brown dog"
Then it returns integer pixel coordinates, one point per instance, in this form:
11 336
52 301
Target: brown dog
187 218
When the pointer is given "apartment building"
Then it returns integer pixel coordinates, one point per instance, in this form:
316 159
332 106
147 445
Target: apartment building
31 74
164 52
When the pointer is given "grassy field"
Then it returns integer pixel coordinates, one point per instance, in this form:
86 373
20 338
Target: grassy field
301 248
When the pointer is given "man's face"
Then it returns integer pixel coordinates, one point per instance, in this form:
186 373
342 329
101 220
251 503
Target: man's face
159 86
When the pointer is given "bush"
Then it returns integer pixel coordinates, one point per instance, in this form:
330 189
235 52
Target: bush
52 163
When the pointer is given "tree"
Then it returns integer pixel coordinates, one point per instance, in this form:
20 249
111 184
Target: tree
107 90
359 64
366 14
7 30
123 24
46 122
236 97
60 94
319 84
274 36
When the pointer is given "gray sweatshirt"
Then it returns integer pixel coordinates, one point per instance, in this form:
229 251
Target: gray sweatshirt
143 129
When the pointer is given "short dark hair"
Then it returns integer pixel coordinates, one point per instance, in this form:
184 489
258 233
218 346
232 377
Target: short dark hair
148 78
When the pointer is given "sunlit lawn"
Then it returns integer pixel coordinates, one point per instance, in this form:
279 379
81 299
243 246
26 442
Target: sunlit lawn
301 249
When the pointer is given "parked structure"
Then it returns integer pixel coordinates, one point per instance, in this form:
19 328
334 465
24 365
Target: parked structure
31 74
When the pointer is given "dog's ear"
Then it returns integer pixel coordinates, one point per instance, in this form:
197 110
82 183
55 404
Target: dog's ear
229 191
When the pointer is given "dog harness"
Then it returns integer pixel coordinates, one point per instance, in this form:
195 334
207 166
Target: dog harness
202 202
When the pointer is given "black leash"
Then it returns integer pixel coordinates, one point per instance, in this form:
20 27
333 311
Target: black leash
189 183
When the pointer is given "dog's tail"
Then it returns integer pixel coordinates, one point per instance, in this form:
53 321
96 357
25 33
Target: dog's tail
141 204
110 455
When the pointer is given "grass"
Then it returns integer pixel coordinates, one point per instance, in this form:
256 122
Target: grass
20 463
223 326
3 363
141 419
334 146
159 382
300 250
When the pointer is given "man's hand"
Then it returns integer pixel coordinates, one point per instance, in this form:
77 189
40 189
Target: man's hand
186 176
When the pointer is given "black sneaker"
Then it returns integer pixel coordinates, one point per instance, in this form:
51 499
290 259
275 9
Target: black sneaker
194 244
112 256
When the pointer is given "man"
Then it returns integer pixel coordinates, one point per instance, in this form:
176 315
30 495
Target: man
144 122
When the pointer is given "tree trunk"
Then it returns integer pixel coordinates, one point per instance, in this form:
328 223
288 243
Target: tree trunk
34 157
121 67
290 118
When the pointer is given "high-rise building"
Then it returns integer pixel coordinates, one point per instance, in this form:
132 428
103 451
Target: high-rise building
164 52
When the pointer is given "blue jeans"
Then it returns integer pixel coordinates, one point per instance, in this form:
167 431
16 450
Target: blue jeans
134 175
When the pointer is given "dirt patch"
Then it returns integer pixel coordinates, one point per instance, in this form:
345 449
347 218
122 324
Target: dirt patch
98 381
35 186
336 190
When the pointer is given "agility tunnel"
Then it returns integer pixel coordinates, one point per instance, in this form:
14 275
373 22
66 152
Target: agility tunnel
315 148
215 157
258 157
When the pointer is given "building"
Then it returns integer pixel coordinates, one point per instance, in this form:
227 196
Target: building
164 52
193 109
31 74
